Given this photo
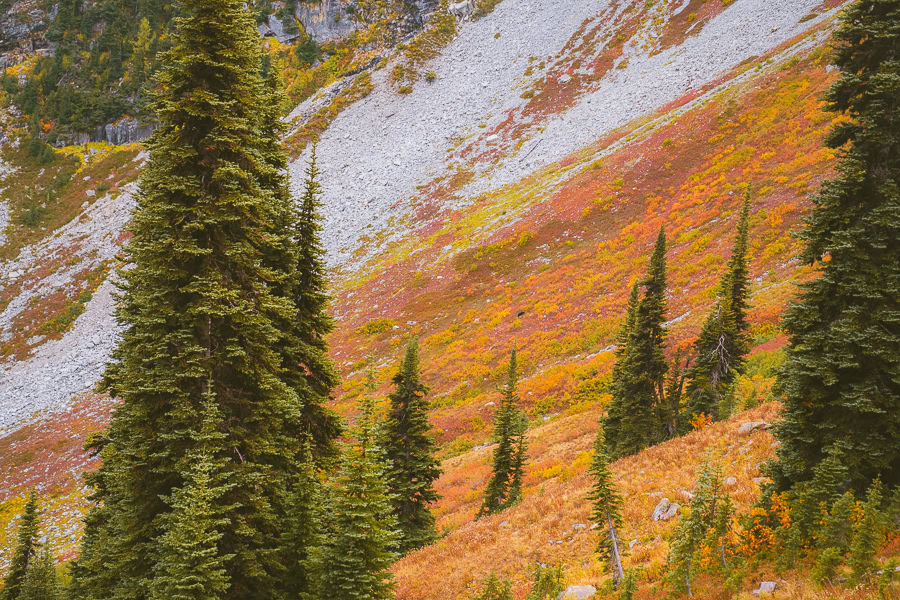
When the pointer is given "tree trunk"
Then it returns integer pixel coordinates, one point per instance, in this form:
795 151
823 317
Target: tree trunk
618 572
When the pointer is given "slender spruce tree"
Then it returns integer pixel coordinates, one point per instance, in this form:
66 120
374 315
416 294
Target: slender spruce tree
203 307
312 323
189 564
722 345
505 486
409 449
356 549
612 423
639 392
606 510
841 380
302 528
26 549
42 580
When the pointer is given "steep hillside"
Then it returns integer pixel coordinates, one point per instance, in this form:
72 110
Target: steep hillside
492 182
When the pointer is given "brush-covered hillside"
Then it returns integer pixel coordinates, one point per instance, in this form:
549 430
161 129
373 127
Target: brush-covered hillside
494 175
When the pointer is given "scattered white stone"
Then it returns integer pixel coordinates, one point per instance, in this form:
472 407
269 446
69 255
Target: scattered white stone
765 587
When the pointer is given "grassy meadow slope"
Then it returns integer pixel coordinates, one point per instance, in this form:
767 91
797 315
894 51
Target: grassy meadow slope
543 262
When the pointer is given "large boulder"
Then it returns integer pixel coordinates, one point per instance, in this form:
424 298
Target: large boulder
751 426
577 592
665 510
765 587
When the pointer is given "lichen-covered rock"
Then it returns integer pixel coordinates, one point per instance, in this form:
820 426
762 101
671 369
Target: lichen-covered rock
577 592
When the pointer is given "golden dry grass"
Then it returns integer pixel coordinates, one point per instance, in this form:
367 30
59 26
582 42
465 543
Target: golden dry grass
541 529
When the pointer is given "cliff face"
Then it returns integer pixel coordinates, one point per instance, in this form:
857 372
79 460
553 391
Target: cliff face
503 189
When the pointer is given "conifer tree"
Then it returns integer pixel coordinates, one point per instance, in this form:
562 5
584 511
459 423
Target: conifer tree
505 486
313 323
495 588
606 510
639 393
841 380
706 523
354 557
868 533
613 421
42 580
189 564
26 550
205 301
302 528
409 450
722 344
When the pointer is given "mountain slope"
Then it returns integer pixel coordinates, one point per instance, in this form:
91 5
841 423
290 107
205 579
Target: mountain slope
513 199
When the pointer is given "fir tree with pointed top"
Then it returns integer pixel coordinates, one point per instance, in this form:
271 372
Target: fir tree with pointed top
356 549
613 419
868 533
409 450
841 379
505 486
606 509
189 565
205 299
26 549
302 528
639 390
722 345
42 580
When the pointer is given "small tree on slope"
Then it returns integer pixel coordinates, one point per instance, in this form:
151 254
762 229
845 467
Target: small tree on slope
841 380
42 580
722 345
409 451
302 528
639 390
26 549
606 510
505 486
356 550
189 564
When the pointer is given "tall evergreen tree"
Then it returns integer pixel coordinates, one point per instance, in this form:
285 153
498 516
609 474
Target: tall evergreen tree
841 380
312 323
41 580
356 549
409 449
203 305
189 565
606 510
612 423
26 550
722 345
639 393
505 486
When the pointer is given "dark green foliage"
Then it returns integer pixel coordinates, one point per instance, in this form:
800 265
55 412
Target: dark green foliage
494 588
356 549
307 344
638 410
629 587
302 528
205 306
707 524
505 486
841 380
606 510
26 550
409 450
722 345
547 583
42 580
868 533
189 564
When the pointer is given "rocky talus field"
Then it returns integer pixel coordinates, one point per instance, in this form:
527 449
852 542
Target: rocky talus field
504 187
